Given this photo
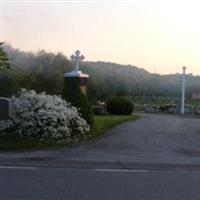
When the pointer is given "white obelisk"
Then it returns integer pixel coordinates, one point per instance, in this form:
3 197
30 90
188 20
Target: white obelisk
183 92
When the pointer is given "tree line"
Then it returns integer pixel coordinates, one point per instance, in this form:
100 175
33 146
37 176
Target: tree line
43 71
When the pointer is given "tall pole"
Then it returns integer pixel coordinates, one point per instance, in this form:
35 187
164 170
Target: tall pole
183 93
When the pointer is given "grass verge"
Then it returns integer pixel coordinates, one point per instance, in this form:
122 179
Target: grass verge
104 123
101 125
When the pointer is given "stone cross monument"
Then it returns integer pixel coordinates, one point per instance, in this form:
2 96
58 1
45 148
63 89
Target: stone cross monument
77 74
77 58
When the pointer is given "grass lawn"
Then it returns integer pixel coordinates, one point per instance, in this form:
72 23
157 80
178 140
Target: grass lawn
101 125
104 123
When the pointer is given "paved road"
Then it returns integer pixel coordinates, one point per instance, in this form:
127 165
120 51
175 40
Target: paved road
154 141
70 184
163 150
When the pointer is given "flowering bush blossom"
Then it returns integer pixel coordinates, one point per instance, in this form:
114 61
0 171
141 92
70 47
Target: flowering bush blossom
43 116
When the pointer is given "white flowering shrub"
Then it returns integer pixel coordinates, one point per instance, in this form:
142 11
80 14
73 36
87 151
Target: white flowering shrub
43 117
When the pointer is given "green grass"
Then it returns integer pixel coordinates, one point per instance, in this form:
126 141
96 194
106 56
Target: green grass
11 143
104 123
101 125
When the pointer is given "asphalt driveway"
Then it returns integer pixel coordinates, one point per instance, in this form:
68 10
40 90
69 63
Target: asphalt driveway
153 139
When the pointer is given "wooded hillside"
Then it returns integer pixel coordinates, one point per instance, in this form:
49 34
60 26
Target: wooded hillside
43 71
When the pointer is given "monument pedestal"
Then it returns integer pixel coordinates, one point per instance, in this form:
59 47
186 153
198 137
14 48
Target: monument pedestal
5 108
81 78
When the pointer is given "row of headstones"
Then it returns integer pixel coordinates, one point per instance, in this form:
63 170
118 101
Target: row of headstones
5 108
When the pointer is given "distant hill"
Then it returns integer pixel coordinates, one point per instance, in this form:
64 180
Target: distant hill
131 80
44 71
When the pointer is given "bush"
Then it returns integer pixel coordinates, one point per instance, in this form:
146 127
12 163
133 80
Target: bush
42 117
74 95
119 106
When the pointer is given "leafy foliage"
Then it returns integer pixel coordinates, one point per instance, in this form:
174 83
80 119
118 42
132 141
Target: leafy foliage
119 106
4 61
73 94
42 71
43 117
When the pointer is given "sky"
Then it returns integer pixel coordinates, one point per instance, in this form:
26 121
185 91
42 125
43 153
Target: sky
160 36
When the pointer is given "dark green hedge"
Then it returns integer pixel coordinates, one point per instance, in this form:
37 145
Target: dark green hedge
119 106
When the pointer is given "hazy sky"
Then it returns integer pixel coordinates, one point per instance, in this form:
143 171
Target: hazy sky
158 35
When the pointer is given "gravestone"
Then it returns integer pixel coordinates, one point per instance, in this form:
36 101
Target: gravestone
100 108
77 74
5 108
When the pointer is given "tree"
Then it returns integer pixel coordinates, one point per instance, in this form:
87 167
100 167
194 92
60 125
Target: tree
72 93
4 61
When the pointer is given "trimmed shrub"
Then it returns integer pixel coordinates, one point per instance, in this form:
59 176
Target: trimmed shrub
74 95
43 117
119 106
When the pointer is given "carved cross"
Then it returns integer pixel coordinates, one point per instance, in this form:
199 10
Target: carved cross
77 58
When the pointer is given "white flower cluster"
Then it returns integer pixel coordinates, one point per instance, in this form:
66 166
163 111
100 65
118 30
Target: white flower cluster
44 116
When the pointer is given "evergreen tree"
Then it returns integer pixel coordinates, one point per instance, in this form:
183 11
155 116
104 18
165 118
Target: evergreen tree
72 93
4 61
